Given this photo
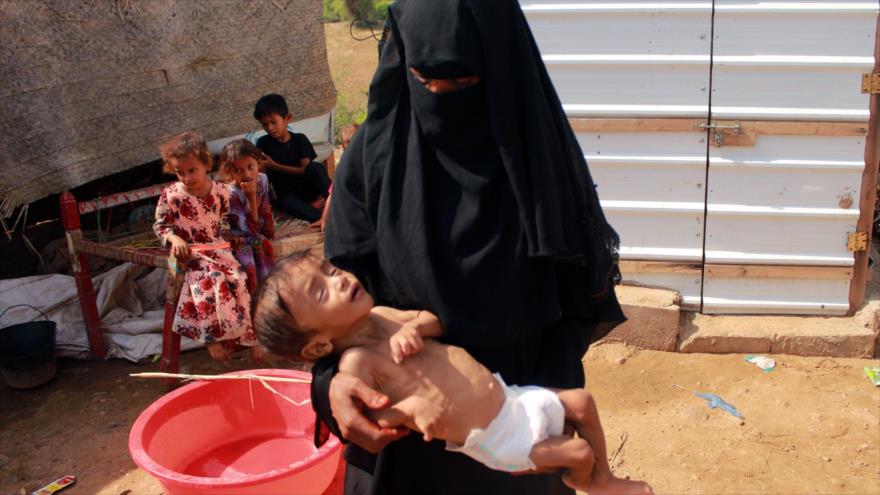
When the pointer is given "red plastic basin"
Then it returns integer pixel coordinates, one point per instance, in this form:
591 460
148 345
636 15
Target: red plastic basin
207 438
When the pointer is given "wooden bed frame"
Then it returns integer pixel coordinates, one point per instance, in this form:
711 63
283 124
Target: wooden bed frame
288 239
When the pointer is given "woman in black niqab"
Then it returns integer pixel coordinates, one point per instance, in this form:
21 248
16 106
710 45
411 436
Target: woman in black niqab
475 204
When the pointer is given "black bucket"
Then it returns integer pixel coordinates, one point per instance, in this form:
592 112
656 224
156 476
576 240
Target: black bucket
27 352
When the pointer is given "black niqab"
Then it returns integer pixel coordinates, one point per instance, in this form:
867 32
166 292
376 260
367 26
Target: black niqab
478 206
469 203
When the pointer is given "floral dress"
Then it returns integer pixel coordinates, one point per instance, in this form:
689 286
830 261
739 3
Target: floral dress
214 302
255 255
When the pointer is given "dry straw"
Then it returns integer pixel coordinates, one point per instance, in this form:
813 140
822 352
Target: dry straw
264 381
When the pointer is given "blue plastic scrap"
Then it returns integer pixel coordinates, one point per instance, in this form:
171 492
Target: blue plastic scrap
714 401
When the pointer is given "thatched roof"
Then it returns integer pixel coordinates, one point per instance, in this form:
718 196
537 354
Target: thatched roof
90 87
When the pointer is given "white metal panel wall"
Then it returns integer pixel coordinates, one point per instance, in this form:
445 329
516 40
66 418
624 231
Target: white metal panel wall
637 59
792 60
625 58
788 200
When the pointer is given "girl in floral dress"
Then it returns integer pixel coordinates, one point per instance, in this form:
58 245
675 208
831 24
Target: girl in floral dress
192 217
251 222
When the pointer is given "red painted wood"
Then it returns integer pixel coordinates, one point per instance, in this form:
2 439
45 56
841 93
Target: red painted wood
69 213
171 340
89 307
83 278
122 198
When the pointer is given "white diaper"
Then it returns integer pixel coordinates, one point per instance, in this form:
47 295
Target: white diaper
529 415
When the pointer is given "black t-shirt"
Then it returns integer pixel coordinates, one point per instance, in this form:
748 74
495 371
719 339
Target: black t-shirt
289 153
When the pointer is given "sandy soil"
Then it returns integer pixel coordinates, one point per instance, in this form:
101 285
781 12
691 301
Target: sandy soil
812 426
352 62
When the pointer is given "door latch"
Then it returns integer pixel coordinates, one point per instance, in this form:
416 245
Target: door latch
728 133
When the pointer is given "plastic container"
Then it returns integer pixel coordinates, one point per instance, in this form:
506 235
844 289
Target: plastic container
27 351
210 438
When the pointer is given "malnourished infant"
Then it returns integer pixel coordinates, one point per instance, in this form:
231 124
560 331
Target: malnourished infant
308 309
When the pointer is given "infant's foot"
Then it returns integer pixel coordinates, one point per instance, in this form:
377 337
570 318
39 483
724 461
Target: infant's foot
218 351
258 355
578 479
612 485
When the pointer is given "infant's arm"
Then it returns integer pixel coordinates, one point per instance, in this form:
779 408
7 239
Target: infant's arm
425 323
408 328
411 410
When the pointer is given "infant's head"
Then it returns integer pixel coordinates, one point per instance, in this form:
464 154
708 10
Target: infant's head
305 304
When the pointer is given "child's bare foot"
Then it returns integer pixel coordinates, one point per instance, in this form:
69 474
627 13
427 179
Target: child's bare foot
607 485
258 354
318 204
218 351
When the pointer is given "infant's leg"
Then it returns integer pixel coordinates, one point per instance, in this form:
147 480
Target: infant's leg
580 410
562 451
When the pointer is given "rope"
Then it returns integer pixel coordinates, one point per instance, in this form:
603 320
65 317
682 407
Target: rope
22 217
185 376
250 377
109 223
369 25
98 217
143 244
9 232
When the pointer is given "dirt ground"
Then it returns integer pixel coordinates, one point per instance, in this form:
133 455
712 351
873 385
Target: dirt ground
352 62
812 426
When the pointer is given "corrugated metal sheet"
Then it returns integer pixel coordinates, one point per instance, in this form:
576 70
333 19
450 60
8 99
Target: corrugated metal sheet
788 200
620 59
638 59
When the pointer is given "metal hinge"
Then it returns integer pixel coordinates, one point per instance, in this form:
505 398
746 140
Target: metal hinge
857 241
871 83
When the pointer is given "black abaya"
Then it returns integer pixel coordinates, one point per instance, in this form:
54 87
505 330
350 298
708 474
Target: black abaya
478 206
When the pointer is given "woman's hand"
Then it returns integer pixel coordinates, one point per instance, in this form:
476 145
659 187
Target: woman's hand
179 247
349 395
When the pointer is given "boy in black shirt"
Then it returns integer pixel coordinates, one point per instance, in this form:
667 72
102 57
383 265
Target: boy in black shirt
300 183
